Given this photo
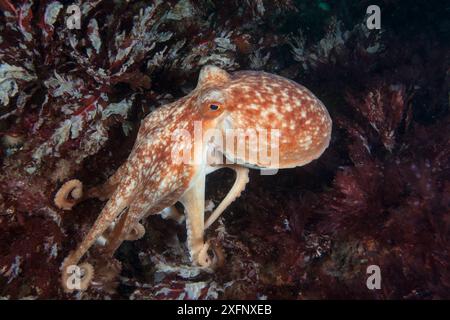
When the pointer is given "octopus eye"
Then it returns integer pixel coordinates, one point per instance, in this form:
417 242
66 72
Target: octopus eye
214 107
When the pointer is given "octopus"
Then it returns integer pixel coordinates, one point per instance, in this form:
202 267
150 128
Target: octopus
155 177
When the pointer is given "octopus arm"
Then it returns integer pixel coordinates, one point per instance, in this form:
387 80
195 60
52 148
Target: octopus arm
193 201
235 192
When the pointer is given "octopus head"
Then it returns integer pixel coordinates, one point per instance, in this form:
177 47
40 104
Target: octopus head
268 121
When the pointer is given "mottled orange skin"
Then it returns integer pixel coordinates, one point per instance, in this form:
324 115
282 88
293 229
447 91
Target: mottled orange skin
269 101
149 181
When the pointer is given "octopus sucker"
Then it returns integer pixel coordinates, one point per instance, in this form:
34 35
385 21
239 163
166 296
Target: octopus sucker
152 180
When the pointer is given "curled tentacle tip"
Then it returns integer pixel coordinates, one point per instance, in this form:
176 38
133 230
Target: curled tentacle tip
136 232
77 277
69 194
204 259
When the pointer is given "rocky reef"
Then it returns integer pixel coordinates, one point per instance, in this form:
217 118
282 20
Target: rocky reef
71 101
